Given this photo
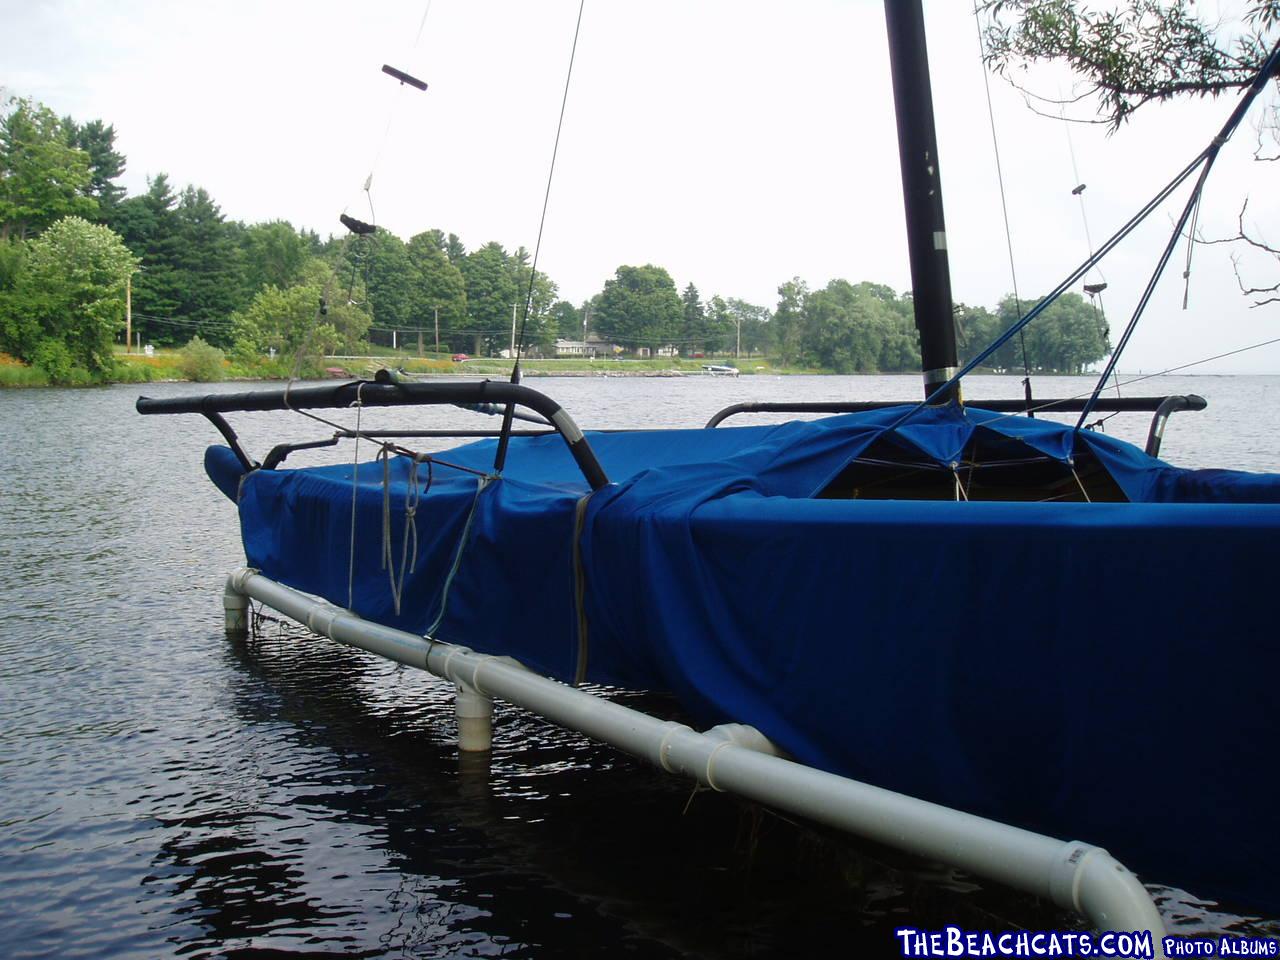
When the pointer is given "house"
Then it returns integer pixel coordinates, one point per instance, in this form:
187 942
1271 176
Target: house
592 347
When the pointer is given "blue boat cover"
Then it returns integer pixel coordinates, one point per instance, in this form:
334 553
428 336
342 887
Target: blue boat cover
1095 671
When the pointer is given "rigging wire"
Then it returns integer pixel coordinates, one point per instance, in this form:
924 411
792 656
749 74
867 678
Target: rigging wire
503 441
1004 206
1209 156
1150 376
1203 162
546 197
1094 290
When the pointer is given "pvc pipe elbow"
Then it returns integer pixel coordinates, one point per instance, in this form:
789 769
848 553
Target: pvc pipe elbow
1088 880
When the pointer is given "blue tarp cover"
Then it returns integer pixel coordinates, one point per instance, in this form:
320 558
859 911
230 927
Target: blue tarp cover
1100 671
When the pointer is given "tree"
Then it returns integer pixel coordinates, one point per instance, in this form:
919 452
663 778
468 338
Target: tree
294 321
149 226
750 326
43 178
1069 336
788 320
66 303
1142 52
210 265
491 293
978 327
693 329
849 328
538 328
718 327
379 263
436 288
106 164
274 254
639 306
567 320
845 328
1148 51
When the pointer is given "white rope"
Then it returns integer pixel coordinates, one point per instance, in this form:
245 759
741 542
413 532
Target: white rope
412 497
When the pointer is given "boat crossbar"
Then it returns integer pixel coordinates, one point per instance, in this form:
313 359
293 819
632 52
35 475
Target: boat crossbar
385 391
738 759
1160 407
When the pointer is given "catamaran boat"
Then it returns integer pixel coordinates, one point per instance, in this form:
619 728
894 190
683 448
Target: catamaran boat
942 623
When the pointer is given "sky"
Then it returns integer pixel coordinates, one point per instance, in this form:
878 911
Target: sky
735 143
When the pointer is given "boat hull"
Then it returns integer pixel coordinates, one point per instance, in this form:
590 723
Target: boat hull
1099 671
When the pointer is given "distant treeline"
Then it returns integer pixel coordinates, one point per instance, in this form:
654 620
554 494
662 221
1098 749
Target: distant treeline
71 240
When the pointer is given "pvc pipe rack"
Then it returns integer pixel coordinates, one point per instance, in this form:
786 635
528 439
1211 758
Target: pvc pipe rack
738 759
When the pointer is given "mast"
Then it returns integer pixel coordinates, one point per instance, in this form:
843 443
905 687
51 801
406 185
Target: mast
922 192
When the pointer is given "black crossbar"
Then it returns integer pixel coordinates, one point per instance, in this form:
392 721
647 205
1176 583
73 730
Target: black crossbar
347 394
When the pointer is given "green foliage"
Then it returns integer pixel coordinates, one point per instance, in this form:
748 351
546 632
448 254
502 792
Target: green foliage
16 374
293 322
437 289
12 256
1136 53
752 329
538 326
54 358
132 373
67 296
43 178
274 254
492 290
694 330
845 327
149 227
105 162
202 362
1068 336
379 263
194 273
567 320
639 306
788 320
209 267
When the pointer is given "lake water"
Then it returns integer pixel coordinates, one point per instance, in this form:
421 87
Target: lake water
168 793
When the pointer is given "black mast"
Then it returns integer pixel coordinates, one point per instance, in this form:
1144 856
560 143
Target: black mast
922 191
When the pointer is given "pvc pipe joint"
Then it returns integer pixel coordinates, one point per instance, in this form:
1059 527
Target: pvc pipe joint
235 609
475 720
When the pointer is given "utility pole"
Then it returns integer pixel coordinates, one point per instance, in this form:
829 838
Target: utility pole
419 339
737 350
513 329
437 328
393 341
128 311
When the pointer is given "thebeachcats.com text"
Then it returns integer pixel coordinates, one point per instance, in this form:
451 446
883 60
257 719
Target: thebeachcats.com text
955 942
1131 945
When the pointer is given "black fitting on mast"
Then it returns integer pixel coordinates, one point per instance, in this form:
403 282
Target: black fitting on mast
922 193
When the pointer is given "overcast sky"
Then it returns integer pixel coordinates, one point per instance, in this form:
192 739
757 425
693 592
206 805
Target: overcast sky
735 143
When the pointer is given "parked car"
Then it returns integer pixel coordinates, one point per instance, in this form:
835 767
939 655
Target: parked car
459 357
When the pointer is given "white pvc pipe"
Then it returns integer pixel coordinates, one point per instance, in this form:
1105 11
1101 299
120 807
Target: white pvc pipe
475 720
739 759
235 611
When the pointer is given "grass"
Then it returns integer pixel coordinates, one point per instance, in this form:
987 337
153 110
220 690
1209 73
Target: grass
15 373
167 363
